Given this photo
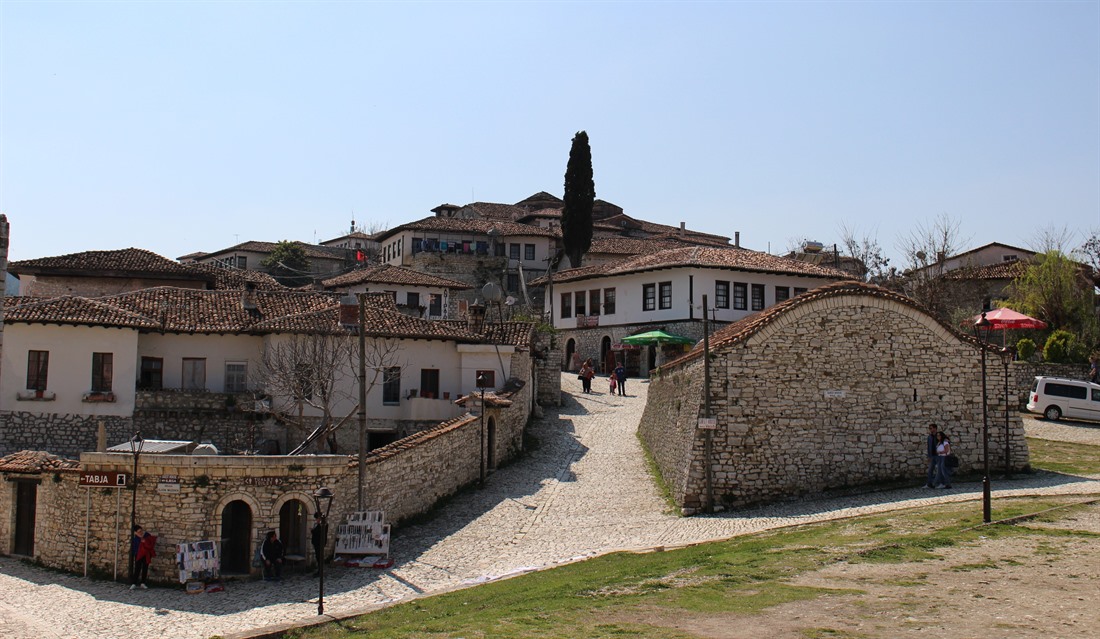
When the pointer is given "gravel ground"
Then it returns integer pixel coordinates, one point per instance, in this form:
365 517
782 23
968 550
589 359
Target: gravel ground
584 491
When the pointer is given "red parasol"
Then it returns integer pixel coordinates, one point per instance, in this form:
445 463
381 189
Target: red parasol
1005 319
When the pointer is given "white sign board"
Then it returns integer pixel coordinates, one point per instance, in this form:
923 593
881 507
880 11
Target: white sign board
834 394
708 423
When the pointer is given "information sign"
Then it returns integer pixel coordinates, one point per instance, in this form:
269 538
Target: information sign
103 478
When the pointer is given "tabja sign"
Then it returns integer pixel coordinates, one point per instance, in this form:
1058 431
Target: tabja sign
104 479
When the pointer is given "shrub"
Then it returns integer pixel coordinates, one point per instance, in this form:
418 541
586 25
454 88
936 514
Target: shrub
1058 347
1025 348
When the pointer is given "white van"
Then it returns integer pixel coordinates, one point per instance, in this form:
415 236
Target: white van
1055 397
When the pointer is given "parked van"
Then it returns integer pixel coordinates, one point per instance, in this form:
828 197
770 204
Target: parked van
1055 397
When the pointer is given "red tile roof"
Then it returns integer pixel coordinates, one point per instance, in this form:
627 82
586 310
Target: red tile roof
495 211
388 274
642 246
312 251
235 279
78 311
1002 271
119 263
733 259
33 461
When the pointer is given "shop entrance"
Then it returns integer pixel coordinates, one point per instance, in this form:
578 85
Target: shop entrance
293 519
26 507
236 538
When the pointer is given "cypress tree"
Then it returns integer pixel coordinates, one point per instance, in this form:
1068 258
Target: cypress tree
580 193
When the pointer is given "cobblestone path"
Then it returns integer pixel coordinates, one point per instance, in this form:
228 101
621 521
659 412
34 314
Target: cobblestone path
584 491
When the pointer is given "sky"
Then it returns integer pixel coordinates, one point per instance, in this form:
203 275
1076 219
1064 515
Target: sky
183 127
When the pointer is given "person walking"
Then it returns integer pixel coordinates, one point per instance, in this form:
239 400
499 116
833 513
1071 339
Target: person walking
586 375
620 377
271 553
930 445
143 548
943 471
318 536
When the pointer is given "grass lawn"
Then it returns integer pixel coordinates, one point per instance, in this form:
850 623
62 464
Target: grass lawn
1064 457
630 595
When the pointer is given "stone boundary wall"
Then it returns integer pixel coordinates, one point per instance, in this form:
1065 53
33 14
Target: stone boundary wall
832 394
673 407
66 435
404 479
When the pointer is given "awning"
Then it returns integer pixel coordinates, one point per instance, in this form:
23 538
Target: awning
656 337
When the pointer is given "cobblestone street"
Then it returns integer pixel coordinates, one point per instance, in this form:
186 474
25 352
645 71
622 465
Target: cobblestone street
584 491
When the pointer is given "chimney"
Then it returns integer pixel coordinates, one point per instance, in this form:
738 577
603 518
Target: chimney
248 297
683 227
475 318
349 311
737 239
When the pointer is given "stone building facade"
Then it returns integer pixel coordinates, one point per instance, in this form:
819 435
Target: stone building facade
831 389
234 500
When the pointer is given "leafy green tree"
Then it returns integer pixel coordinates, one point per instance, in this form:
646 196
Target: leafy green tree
288 263
1059 347
1057 290
580 193
1025 348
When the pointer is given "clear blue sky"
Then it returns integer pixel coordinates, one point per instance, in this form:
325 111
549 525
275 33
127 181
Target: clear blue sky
180 127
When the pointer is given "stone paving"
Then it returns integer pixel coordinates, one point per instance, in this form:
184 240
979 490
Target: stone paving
584 491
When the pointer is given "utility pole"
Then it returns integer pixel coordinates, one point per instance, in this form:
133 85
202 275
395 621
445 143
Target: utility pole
708 434
363 441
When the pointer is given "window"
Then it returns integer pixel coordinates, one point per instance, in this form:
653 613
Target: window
740 296
1009 258
513 282
513 251
391 386
102 372
528 251
782 293
609 301
412 300
649 297
757 297
429 383
38 365
799 291
1065 390
152 373
194 373
594 302
721 294
581 295
566 305
485 379
498 249
666 294
236 377
435 305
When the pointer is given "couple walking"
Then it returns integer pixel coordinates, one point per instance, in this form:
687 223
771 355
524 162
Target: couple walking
617 379
940 459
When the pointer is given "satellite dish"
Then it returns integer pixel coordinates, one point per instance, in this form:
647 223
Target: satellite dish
492 292
508 301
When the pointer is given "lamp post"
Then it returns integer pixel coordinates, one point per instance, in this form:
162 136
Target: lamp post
136 444
1006 359
981 332
321 496
481 383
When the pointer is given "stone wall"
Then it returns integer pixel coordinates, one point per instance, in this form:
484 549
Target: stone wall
404 479
65 435
834 392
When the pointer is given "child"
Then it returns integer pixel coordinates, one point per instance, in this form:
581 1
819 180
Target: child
612 381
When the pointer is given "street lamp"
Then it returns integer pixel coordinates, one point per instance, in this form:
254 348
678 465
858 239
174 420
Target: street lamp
1006 359
136 444
482 382
322 495
981 332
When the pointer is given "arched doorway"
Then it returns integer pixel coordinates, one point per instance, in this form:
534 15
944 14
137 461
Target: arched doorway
491 454
605 348
26 508
236 538
293 520
570 352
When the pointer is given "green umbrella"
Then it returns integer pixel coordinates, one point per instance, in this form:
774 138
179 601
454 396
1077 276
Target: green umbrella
656 337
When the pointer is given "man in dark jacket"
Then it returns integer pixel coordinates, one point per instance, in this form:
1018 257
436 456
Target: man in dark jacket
931 453
271 552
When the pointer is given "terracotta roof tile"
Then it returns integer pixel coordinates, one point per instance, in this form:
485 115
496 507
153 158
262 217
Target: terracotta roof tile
312 251
1002 271
389 274
231 279
730 258
76 311
118 263
32 461
495 211
518 334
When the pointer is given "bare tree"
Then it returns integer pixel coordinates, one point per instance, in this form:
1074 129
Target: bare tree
1052 238
319 371
926 248
874 266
